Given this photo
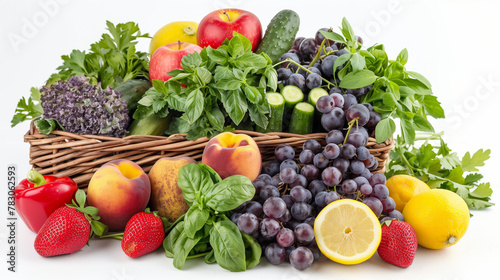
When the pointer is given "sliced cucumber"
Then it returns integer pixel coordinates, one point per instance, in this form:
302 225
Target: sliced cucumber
277 109
292 96
315 94
302 118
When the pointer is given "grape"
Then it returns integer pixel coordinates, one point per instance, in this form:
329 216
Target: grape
342 51
338 99
289 163
319 37
266 178
288 175
258 185
300 181
271 167
332 151
361 130
320 199
274 207
275 254
235 216
361 180
366 173
288 200
347 151
331 197
327 65
275 180
315 250
283 73
300 211
388 204
396 215
359 39
365 189
310 171
331 176
248 223
297 80
269 227
292 224
286 217
374 164
335 119
349 186
370 162
300 194
290 55
269 191
357 139
358 92
325 104
357 167
314 70
335 137
253 207
310 221
378 178
306 156
304 233
358 111
313 80
336 90
301 258
373 121
296 43
341 164
285 237
349 100
284 151
313 145
374 204
362 153
380 191
316 186
320 161
308 48
368 106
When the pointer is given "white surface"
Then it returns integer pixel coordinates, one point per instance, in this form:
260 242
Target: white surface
453 43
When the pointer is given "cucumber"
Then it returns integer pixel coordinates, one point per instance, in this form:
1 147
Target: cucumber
302 118
292 96
151 125
280 34
132 91
315 94
277 105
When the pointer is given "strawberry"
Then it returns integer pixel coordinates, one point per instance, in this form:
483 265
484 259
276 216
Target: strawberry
68 229
143 234
399 243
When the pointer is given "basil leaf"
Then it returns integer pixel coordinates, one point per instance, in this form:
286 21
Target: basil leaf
245 42
271 76
358 79
229 84
250 61
384 130
235 46
419 77
394 70
210 257
216 118
403 56
357 62
408 130
176 102
340 61
222 72
194 220
219 56
230 193
184 245
333 36
433 106
252 93
190 62
194 106
169 241
192 179
253 251
347 30
235 104
422 124
203 75
257 113
46 126
228 246
214 175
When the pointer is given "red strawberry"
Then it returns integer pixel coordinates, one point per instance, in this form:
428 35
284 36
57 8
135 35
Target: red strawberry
143 234
67 230
399 243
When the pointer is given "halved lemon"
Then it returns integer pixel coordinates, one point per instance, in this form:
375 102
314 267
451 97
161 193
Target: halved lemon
347 231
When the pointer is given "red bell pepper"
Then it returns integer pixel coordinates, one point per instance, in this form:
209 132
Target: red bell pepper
39 196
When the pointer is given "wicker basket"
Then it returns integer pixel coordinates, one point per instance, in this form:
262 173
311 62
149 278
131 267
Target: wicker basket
79 156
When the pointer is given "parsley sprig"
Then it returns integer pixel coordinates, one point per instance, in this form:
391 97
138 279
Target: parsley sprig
435 163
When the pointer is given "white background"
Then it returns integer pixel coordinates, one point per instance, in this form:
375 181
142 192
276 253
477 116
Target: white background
453 43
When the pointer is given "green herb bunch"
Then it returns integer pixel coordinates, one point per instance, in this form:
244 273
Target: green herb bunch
205 230
396 92
216 90
439 167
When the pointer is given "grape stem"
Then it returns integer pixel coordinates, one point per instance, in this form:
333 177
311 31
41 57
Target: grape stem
351 124
318 54
305 69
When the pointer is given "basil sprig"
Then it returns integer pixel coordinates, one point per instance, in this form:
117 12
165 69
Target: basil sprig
216 90
205 229
396 92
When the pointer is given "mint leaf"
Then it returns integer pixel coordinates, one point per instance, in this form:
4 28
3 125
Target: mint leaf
471 163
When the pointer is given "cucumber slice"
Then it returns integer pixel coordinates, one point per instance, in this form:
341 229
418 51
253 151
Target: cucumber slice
302 118
277 108
292 96
315 94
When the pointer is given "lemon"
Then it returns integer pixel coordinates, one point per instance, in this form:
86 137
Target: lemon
439 217
184 31
403 187
347 231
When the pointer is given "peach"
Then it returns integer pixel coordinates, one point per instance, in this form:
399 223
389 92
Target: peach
166 196
233 154
119 189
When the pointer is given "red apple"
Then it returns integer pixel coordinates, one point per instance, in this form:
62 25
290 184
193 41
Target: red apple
220 24
168 58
